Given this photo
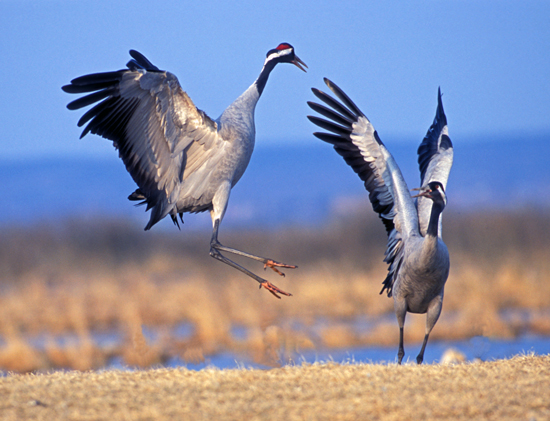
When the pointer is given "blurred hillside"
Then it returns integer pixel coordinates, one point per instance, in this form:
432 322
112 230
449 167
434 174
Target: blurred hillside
284 185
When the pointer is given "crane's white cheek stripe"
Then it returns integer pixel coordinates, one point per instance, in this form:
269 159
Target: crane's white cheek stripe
278 54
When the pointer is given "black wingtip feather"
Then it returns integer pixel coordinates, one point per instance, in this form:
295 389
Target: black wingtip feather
89 99
343 97
336 141
327 112
90 87
330 126
104 77
140 61
334 104
440 113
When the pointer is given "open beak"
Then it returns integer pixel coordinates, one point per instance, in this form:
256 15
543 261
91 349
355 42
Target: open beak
299 63
424 192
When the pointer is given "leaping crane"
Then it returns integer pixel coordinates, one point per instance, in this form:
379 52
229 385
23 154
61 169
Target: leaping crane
181 159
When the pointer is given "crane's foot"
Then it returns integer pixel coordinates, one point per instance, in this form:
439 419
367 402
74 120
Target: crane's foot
272 264
273 289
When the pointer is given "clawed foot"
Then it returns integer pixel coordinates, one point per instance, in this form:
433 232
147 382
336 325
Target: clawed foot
273 289
272 264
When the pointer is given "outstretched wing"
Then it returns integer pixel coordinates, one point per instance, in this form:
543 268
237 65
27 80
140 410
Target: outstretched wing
355 139
435 159
153 123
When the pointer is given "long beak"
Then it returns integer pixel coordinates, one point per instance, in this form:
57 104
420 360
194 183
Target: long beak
424 192
299 63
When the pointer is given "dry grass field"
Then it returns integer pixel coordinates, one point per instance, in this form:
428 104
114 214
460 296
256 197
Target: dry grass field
63 285
515 389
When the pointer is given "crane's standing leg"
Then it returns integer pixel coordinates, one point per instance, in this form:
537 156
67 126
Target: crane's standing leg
401 351
432 315
400 307
420 356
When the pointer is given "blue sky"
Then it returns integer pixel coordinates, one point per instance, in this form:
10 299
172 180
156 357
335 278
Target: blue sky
491 59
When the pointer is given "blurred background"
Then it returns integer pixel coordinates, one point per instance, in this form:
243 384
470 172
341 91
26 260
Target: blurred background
83 286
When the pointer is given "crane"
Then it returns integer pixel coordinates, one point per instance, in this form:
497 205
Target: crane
181 159
417 257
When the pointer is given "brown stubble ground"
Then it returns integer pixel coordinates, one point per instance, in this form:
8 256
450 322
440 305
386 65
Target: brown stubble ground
515 389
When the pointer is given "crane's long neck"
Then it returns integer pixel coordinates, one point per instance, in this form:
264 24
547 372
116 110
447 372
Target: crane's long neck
264 75
433 225
241 111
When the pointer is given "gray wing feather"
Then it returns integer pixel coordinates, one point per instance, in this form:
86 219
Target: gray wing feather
356 140
435 159
160 134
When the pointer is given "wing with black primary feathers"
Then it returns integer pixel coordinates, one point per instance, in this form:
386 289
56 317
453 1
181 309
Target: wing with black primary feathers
160 134
355 139
435 159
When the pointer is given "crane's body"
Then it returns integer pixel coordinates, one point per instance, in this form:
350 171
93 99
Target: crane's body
181 159
418 258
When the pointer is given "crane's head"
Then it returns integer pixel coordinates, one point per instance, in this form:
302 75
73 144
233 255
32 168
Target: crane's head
433 190
284 53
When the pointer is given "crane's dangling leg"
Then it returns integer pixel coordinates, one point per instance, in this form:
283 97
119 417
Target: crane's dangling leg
216 247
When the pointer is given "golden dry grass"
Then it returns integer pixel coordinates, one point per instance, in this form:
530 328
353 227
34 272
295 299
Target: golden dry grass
82 278
515 389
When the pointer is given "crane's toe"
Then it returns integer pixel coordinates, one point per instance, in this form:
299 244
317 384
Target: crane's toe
272 264
273 289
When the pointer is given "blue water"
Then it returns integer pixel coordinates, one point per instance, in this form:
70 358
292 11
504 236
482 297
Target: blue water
476 348
482 348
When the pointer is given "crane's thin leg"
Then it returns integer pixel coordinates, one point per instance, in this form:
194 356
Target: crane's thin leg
268 263
401 352
215 248
420 357
400 307
432 315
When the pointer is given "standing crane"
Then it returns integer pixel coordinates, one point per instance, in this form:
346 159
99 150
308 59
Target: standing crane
181 159
416 254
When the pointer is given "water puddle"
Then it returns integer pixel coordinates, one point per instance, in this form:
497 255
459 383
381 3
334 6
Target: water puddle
477 348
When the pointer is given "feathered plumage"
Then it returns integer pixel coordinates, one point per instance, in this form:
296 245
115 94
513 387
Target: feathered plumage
180 158
418 260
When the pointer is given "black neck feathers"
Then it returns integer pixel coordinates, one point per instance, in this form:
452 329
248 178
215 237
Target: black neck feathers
264 75
433 226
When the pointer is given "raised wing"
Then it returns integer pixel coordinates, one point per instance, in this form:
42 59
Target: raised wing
354 138
435 159
160 134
